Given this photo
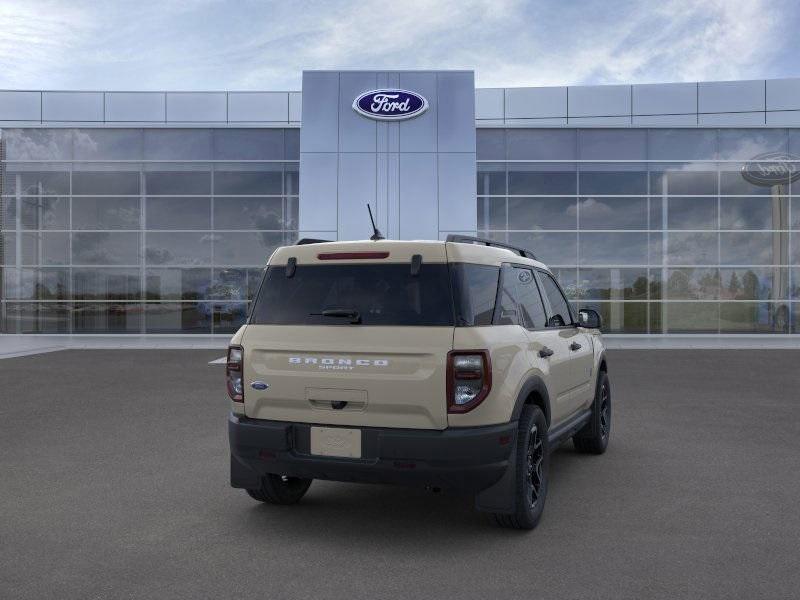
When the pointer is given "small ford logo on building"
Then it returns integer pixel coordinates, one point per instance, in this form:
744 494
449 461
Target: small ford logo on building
772 168
390 105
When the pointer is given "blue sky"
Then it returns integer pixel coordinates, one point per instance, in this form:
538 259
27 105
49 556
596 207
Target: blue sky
251 45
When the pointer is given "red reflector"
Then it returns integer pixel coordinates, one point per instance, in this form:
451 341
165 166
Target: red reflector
265 454
351 255
504 440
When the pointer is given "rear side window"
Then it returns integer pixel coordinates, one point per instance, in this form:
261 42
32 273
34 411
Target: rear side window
381 294
531 308
559 307
474 292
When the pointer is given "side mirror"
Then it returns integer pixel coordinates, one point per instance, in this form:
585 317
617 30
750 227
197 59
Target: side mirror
589 318
556 321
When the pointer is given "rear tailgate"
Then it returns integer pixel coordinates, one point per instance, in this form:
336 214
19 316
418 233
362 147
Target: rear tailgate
367 376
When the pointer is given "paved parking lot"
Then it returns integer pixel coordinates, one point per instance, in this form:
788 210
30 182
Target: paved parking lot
113 484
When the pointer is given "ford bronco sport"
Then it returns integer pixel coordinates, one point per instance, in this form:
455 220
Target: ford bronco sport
452 364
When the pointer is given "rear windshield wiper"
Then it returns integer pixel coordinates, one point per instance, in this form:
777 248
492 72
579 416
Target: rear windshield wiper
341 313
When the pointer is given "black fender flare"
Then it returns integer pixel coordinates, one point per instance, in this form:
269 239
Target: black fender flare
534 384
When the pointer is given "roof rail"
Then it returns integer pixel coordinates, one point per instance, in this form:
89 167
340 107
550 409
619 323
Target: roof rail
467 239
304 241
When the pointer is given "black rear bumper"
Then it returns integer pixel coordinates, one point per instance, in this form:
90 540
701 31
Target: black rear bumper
468 458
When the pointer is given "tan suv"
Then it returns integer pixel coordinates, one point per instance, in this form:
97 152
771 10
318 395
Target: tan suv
456 364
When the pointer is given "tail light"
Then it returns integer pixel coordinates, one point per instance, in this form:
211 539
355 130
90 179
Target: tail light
469 379
234 371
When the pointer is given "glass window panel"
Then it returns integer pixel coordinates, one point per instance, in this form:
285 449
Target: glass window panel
735 143
655 249
567 278
248 213
754 317
732 182
692 248
184 317
105 213
492 213
102 248
612 213
98 183
674 181
620 317
656 214
178 213
531 306
794 290
178 144
8 248
248 144
552 249
612 144
101 317
44 183
491 179
754 213
178 183
291 178
693 284
44 212
656 309
51 248
229 317
528 180
229 284
655 277
754 283
106 284
248 183
794 258
291 215
682 144
52 284
491 144
541 144
690 317
613 284
8 213
542 213
795 317
245 248
38 144
756 248
32 317
691 213
178 248
177 284
612 182
108 144
291 142
559 307
253 282
613 249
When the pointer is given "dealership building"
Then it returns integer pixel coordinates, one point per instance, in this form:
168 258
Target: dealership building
669 208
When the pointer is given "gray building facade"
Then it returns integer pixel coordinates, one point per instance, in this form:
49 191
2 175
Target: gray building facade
669 208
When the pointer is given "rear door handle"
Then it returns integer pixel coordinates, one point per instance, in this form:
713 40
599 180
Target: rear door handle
574 346
545 352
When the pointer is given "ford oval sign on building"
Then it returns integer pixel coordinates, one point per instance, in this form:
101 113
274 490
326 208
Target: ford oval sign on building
772 168
390 105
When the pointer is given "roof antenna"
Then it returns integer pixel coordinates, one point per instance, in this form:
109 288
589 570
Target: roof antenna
376 232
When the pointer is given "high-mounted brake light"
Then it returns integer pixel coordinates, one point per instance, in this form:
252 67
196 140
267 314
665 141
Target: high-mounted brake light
234 372
351 255
469 379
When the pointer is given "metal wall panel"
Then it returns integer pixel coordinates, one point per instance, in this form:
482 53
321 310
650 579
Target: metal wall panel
197 107
456 100
489 103
731 96
357 180
258 106
783 94
295 106
320 130
419 214
599 101
356 134
665 120
599 121
20 106
72 106
536 103
784 118
665 99
318 189
419 134
731 119
136 107
457 185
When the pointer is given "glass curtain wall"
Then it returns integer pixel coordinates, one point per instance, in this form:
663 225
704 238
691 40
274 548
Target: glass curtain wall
660 230
141 230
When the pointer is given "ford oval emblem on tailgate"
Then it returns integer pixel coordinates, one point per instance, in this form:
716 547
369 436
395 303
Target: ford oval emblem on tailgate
259 385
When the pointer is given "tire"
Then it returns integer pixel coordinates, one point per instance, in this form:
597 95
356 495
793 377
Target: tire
593 438
278 489
533 466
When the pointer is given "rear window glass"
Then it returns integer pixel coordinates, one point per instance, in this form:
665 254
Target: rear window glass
475 291
381 294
